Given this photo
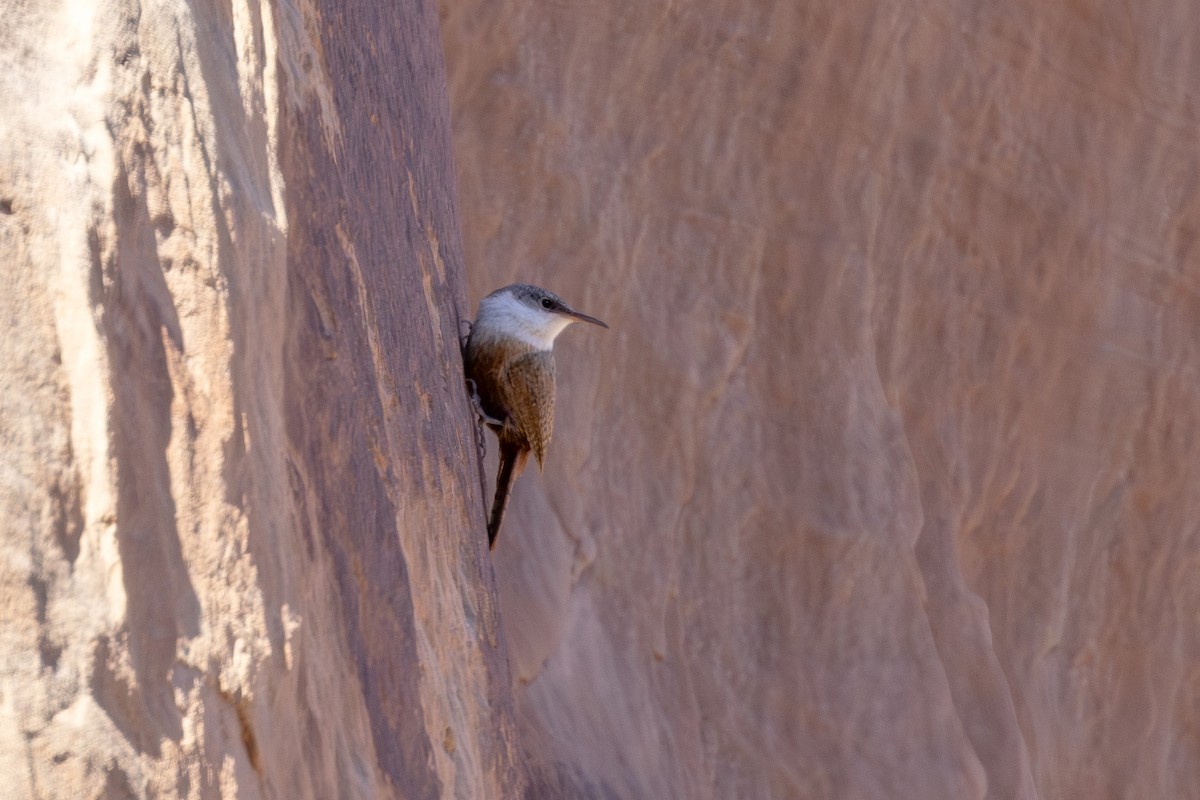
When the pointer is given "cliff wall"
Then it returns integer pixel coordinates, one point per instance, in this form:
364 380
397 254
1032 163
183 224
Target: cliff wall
884 482
881 485
242 526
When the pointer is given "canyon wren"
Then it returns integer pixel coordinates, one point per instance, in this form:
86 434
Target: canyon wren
509 363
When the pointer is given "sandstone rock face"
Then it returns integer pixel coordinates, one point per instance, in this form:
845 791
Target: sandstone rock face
243 548
884 482
882 485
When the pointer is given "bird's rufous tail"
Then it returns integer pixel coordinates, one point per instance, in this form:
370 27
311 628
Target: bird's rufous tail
512 463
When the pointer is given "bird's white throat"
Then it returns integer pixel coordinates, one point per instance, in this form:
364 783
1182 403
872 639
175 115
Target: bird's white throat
506 315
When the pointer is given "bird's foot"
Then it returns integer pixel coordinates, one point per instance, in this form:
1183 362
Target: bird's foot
480 437
477 402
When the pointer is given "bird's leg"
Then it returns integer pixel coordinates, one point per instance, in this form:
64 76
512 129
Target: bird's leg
477 402
480 418
480 437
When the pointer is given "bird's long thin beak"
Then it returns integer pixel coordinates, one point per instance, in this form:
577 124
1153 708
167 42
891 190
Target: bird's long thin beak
570 312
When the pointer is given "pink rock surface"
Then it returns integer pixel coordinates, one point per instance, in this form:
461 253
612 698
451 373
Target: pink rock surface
884 482
242 547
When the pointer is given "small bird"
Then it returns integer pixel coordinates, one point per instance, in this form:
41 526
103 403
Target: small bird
509 362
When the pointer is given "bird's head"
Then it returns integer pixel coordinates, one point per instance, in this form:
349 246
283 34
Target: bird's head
530 313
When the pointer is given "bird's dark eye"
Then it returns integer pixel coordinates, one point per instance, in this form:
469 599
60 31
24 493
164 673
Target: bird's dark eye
547 302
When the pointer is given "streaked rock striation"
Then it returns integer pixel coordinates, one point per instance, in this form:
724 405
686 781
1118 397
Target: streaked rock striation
243 552
881 485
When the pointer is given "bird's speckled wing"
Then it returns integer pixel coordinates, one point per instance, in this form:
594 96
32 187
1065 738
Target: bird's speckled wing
528 383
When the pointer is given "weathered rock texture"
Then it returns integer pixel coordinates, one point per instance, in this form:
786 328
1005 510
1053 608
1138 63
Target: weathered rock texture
241 534
886 481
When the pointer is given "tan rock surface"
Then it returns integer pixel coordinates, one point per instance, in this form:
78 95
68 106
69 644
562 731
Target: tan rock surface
241 553
884 483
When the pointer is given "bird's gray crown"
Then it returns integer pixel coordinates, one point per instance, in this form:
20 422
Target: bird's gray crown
533 296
